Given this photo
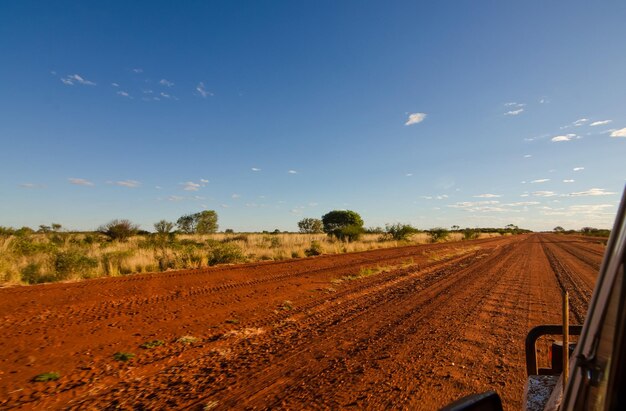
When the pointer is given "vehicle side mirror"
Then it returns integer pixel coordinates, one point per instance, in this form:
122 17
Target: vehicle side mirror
487 401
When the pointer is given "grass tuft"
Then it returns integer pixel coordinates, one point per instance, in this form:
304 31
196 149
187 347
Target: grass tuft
123 356
151 344
47 376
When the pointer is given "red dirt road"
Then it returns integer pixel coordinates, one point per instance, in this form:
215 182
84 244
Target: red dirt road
434 323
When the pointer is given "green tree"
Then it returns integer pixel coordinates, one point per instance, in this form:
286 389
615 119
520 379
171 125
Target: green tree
119 230
310 226
343 224
204 222
400 232
438 234
163 227
558 229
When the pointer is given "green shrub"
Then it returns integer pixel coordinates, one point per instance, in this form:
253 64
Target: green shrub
469 234
400 232
349 233
73 262
151 344
225 253
31 274
123 356
438 234
47 376
314 249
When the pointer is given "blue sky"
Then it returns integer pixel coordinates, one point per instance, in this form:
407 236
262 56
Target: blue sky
474 113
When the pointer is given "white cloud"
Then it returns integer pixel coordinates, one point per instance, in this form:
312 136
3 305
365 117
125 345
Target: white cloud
578 168
568 181
166 83
31 185
514 112
165 95
592 192
566 137
600 123
527 155
619 133
488 196
408 175
470 204
580 122
202 91
292 172
138 70
543 100
115 84
75 78
124 94
128 183
190 186
235 196
541 180
204 181
255 169
415 118
544 194
158 187
522 203
175 198
80 182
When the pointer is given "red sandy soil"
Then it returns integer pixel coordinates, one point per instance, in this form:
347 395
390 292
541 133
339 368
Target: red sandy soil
440 322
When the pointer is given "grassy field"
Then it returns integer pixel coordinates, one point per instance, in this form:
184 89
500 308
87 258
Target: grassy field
37 258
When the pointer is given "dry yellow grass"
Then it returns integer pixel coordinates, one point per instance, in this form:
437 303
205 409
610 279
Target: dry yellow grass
71 256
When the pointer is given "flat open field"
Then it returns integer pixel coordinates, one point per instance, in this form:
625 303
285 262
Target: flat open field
405 328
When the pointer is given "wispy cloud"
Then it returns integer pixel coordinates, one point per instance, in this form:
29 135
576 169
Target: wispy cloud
580 122
292 172
204 181
578 168
568 181
415 118
76 79
124 94
127 183
408 175
565 137
514 108
31 185
202 91
175 198
488 195
166 83
592 192
235 196
541 180
138 70
544 194
527 155
115 84
255 169
619 133
80 182
600 123
190 186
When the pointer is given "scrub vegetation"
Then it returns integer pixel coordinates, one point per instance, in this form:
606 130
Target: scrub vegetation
119 247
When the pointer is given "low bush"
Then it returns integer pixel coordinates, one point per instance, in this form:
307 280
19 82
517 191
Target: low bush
71 262
225 253
314 249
